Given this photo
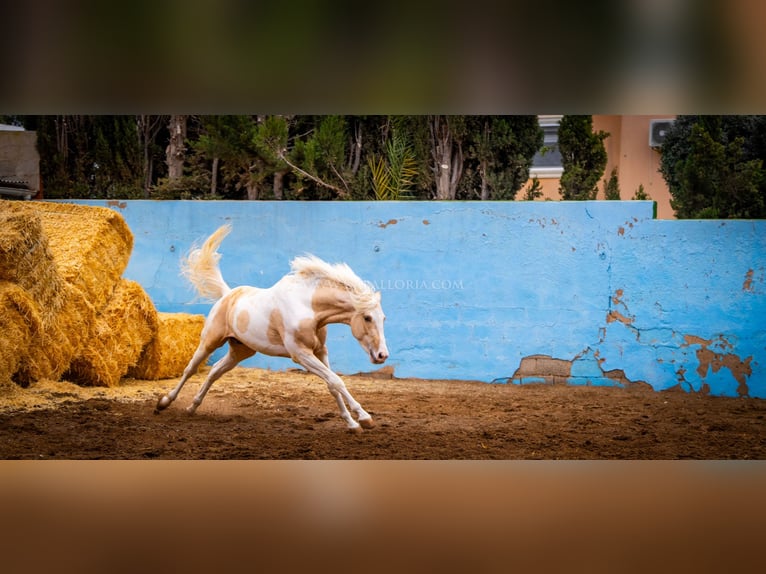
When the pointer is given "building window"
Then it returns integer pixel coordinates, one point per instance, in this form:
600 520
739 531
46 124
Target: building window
547 161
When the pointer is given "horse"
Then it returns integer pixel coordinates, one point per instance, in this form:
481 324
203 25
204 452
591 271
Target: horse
288 319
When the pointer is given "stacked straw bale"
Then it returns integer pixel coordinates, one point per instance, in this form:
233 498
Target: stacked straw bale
121 331
65 309
91 245
167 354
30 298
62 315
26 259
20 325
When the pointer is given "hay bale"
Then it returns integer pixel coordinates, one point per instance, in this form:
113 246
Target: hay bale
121 331
63 336
66 262
64 316
166 356
21 323
90 245
25 258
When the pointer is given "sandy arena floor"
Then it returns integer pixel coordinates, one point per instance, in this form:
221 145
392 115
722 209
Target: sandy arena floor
257 414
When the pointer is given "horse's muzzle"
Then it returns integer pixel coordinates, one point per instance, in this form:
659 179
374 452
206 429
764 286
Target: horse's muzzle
379 357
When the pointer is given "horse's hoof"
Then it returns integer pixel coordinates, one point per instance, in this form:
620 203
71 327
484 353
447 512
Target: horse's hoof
367 423
355 430
162 404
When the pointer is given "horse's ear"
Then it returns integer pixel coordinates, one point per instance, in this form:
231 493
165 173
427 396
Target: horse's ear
377 296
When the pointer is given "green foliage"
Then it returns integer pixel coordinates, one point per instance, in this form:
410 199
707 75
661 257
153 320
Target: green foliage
185 187
270 138
284 157
640 194
393 177
612 186
534 190
500 152
229 139
714 166
317 158
330 140
416 131
88 156
583 157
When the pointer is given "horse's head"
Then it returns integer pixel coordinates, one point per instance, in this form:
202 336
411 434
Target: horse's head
367 328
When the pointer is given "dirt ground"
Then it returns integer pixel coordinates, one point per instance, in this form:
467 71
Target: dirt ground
257 414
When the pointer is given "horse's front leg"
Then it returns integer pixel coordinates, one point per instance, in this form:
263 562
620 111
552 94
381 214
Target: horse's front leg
337 389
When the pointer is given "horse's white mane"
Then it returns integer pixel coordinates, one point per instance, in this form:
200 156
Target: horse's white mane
340 275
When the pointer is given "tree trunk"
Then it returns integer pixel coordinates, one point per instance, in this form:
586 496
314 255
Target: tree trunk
448 166
457 170
175 150
484 186
214 177
148 128
356 149
443 177
61 136
278 183
144 141
149 176
147 171
252 190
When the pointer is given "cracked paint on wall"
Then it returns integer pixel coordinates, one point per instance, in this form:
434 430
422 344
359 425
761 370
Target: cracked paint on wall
586 368
712 357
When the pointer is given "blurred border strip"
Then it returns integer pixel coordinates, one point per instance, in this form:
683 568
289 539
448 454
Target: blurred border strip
234 56
382 516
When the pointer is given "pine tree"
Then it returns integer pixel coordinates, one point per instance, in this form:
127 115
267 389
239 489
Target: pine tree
583 156
714 166
612 186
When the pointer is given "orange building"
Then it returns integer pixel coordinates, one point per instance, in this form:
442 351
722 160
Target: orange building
632 147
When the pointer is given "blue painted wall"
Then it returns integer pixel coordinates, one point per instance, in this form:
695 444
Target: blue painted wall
472 288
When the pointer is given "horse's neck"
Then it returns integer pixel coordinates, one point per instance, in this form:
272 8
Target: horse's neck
332 305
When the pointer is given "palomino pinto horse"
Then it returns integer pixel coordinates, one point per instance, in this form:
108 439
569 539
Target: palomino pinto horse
288 319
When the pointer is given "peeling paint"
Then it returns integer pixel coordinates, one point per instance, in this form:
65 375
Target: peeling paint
584 369
613 316
690 340
748 284
387 223
426 222
543 221
711 361
710 354
753 282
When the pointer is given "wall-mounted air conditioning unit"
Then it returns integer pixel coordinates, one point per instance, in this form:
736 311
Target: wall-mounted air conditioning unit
657 131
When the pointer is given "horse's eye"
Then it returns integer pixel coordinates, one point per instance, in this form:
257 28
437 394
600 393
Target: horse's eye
368 319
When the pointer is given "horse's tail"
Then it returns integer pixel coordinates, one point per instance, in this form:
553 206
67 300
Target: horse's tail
200 266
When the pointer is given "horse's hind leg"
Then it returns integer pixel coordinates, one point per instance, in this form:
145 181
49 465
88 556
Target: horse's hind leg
237 352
